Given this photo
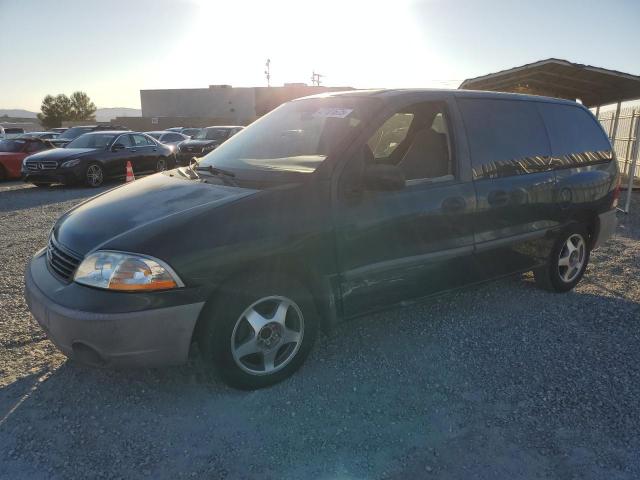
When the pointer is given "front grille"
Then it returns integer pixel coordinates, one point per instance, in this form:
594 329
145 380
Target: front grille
35 165
61 261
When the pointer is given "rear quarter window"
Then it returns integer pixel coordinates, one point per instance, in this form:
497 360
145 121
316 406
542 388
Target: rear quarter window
506 137
573 130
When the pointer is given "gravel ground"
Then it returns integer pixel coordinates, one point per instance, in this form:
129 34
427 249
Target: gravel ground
497 381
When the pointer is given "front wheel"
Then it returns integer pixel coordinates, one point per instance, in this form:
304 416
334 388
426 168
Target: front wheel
567 262
261 333
94 176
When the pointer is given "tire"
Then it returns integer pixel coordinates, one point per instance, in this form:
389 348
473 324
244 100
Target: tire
565 267
161 164
256 354
94 175
42 184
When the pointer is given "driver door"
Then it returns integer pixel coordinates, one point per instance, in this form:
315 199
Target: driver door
406 243
117 159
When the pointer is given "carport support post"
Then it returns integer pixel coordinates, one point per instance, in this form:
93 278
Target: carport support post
632 169
614 130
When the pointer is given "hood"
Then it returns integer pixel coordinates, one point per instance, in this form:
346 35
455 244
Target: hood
142 204
61 153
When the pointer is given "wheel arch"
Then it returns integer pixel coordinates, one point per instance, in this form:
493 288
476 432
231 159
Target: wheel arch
320 288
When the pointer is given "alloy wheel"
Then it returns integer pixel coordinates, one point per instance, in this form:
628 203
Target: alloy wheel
161 165
267 335
572 257
95 175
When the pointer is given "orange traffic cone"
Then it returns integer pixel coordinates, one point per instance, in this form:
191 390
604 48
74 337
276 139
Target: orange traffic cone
130 177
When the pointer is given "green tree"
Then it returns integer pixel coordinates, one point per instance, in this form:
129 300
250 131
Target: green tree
55 110
82 106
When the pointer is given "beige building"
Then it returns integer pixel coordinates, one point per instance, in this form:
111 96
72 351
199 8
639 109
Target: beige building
218 104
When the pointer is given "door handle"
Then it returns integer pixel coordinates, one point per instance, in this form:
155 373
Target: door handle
133 150
498 198
453 204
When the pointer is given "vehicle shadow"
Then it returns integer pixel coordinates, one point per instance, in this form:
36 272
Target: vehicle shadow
460 383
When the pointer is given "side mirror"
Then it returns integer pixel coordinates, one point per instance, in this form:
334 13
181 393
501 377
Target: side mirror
117 147
381 177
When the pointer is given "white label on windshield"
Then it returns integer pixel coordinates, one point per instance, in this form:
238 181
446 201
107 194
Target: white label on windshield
332 112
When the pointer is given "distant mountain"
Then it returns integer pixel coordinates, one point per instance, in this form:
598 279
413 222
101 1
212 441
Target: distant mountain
17 113
106 114
102 114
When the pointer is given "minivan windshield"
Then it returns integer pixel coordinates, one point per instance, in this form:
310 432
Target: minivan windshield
295 137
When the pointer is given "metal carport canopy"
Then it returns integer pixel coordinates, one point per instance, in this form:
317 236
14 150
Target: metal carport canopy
563 79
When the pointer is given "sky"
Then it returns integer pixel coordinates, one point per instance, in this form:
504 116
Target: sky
113 49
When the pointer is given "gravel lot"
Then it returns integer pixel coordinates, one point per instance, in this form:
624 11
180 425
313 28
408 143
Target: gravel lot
497 381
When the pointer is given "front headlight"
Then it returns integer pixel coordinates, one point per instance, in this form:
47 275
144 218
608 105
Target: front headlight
126 272
70 163
208 148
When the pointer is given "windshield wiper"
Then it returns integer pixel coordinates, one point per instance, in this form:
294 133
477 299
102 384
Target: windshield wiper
218 172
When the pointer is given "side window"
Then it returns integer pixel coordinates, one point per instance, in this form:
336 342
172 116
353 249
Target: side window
416 140
124 140
390 135
573 130
506 137
141 140
172 137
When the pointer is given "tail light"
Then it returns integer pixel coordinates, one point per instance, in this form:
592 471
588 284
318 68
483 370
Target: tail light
616 193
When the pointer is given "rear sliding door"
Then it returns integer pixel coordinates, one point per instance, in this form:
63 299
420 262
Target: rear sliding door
514 182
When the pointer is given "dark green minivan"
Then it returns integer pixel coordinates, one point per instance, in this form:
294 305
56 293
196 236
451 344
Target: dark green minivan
327 208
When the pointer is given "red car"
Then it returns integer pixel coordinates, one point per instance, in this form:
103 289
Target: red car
14 150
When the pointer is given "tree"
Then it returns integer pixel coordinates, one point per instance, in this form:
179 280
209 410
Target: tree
55 110
83 107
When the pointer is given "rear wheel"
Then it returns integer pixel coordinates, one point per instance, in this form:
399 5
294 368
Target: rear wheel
161 164
261 333
94 176
567 262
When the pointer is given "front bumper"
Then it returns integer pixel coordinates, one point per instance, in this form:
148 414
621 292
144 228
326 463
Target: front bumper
607 223
144 338
66 176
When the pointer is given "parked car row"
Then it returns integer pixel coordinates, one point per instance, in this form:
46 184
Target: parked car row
96 156
91 154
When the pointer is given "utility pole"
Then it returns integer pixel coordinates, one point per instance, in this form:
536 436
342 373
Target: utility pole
315 78
267 72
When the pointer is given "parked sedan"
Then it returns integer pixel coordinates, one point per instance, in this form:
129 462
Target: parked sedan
168 138
74 132
96 156
14 151
42 135
10 132
188 131
205 141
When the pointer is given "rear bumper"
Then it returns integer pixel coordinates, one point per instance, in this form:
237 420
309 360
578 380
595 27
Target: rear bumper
607 223
146 338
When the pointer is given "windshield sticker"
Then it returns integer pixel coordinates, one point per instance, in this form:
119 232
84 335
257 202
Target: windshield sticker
332 112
